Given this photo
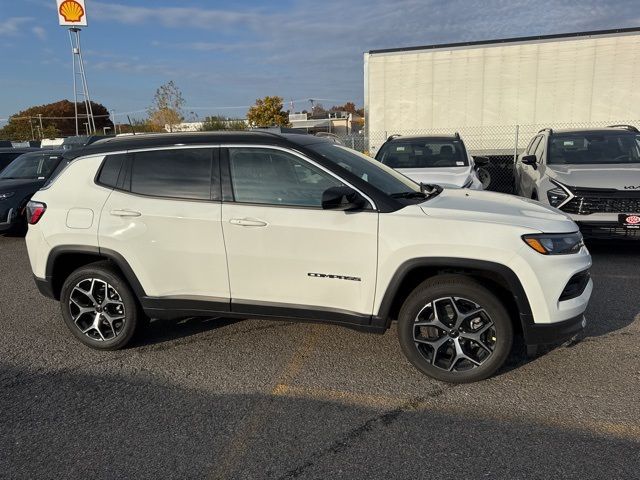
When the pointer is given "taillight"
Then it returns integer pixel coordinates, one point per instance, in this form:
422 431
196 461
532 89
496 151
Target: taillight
35 210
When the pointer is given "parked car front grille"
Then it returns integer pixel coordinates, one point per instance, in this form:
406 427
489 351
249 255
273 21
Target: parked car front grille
587 201
608 231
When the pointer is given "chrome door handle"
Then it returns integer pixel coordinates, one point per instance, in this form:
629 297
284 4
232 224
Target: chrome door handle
248 222
125 213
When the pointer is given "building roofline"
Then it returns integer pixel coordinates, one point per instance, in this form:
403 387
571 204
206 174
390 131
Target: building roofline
557 36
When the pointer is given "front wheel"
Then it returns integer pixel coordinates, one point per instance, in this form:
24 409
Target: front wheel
453 329
99 307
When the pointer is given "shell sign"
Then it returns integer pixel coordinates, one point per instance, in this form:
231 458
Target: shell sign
72 13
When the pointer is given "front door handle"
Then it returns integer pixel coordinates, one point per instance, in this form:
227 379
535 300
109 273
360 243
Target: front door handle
248 222
125 213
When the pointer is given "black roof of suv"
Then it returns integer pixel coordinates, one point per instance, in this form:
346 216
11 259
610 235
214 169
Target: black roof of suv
134 142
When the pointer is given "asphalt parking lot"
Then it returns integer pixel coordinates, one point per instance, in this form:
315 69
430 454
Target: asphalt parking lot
252 399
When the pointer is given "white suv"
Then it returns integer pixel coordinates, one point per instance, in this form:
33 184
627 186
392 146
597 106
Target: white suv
294 226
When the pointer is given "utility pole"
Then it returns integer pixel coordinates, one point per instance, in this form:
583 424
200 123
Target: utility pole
41 129
31 125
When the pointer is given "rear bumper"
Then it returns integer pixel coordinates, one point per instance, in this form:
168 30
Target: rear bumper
552 333
45 286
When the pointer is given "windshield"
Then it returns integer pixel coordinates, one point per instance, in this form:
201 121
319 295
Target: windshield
371 171
436 153
31 166
594 148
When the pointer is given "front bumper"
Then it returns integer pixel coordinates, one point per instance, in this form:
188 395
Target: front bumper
8 220
552 333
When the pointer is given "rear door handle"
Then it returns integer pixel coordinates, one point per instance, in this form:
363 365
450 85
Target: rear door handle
125 213
248 222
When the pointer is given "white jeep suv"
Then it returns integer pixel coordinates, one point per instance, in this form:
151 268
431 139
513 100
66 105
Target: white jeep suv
270 226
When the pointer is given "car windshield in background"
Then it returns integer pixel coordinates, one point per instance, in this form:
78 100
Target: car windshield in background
594 148
423 154
371 171
31 166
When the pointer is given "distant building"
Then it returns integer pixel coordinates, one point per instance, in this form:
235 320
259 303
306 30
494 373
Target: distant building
184 127
339 123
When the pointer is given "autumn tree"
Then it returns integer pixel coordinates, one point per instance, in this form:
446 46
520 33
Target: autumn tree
318 110
58 118
349 107
267 112
168 103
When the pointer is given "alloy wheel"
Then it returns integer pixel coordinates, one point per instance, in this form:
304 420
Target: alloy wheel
454 334
97 309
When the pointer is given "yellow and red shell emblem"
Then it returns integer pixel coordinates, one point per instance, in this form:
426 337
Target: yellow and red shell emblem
71 10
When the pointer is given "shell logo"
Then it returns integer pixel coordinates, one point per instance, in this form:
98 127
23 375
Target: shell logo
71 10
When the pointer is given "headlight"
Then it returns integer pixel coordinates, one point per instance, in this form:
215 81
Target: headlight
4 196
559 195
555 243
468 183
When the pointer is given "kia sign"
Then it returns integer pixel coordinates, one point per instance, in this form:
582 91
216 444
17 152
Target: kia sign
72 13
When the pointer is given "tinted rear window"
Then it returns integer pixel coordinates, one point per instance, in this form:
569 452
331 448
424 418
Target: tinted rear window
423 154
173 173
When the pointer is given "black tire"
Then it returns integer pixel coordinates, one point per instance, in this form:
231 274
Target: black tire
98 278
494 329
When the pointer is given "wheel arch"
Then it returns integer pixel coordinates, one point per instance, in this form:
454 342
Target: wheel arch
65 259
500 279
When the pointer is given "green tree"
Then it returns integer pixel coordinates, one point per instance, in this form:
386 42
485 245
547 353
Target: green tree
216 123
50 131
168 103
267 112
60 116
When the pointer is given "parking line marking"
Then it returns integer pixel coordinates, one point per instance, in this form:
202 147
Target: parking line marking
261 411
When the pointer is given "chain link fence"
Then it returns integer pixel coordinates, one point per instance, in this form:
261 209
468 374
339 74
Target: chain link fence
500 143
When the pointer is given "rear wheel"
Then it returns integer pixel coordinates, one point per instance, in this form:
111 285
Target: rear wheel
99 307
455 330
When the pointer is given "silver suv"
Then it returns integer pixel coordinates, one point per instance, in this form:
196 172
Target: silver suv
593 175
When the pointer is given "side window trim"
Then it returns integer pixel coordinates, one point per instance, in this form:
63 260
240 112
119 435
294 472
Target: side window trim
227 186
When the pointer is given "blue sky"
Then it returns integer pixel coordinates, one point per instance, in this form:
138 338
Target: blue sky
227 54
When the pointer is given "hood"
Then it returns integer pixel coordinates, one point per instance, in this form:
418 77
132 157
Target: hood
11 184
492 207
447 177
616 176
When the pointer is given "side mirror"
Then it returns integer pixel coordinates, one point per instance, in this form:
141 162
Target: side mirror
342 198
529 160
481 161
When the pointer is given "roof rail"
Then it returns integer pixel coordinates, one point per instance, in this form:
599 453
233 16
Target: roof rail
391 137
631 128
457 135
550 130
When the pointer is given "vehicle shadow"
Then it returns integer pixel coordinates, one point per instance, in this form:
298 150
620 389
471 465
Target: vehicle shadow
117 425
160 331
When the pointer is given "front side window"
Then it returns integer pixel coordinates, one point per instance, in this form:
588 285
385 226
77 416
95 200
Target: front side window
436 153
182 174
31 167
375 173
594 148
274 177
